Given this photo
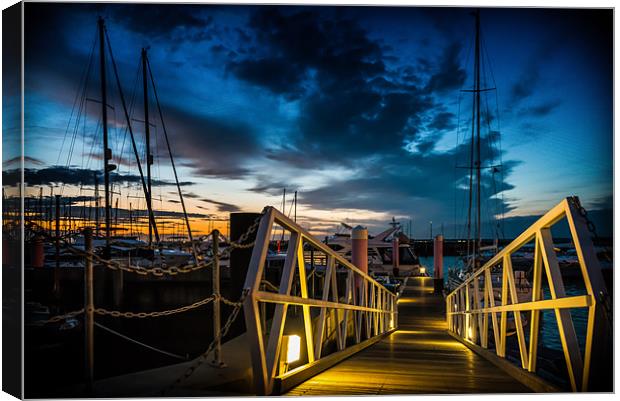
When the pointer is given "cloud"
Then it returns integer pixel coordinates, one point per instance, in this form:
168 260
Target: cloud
222 206
74 176
180 22
443 121
451 75
525 86
543 109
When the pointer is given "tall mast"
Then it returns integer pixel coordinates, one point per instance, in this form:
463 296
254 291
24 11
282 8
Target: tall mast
478 158
147 132
107 152
96 205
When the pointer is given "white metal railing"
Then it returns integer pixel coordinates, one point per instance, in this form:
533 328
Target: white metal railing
368 304
469 305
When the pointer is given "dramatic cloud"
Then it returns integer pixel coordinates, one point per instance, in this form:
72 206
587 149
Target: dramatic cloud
75 176
222 206
178 21
357 108
451 75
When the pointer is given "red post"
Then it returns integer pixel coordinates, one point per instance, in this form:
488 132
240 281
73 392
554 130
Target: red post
395 256
438 263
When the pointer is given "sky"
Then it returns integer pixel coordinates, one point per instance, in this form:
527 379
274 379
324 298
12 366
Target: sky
359 109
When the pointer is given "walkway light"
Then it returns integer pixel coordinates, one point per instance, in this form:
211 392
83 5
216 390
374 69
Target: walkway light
293 349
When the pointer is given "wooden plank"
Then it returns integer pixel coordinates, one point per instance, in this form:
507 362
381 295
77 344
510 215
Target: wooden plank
418 358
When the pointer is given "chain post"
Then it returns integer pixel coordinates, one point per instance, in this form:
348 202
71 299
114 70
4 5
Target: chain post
89 309
217 356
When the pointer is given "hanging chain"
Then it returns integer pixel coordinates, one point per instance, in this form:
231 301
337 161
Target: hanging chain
203 357
141 315
603 296
239 243
59 318
590 225
155 271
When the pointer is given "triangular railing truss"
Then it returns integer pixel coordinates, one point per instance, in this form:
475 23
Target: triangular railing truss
366 305
469 305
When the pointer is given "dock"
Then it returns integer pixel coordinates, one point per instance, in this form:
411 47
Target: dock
418 358
355 337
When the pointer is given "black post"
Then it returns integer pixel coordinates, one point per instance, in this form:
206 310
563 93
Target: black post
147 133
240 259
107 152
89 310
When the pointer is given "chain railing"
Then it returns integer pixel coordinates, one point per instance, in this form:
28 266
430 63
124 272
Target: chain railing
90 310
156 271
468 307
212 346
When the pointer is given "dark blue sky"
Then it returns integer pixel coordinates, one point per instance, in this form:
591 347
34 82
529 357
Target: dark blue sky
355 107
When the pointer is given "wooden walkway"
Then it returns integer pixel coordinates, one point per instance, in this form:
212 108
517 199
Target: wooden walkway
419 358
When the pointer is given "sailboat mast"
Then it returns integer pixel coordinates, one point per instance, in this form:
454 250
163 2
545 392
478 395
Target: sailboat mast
478 158
147 132
96 205
107 152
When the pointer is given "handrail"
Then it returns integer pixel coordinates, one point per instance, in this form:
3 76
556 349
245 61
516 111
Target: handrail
469 305
371 306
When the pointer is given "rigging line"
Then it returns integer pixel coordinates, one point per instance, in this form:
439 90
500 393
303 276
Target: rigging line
109 330
131 109
118 82
75 99
174 169
290 209
76 127
499 139
94 143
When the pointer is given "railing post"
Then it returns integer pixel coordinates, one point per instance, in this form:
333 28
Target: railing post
217 356
89 309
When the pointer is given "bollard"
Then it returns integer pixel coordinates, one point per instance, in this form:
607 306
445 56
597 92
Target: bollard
89 309
359 254
359 248
395 256
217 356
438 263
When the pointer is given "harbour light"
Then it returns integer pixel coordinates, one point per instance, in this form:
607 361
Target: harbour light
293 349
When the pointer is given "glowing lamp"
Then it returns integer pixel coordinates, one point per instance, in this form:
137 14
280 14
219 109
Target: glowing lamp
293 348
422 270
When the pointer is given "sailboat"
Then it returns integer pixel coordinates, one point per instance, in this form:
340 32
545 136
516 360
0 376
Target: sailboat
479 169
111 241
